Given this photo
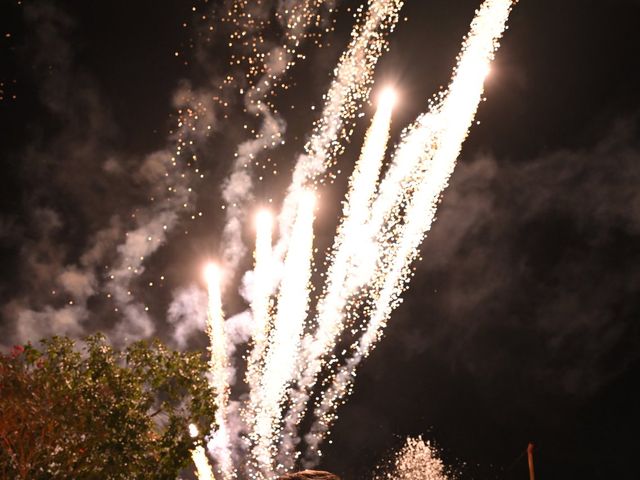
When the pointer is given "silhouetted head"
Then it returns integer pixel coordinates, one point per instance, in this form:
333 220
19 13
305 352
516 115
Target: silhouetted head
309 475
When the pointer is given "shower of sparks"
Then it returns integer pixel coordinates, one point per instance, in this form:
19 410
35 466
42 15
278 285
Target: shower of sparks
219 364
383 223
261 303
416 459
350 88
340 282
433 160
280 358
264 65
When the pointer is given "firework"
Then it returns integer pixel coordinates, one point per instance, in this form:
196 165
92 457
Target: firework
219 363
284 342
351 86
262 289
339 285
430 147
382 225
416 459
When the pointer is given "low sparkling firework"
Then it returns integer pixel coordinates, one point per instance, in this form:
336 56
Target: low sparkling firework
417 459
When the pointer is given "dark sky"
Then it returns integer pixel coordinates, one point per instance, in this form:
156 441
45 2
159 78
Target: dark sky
521 322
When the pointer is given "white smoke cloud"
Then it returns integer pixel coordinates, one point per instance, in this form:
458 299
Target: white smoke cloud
116 252
81 285
188 313
31 325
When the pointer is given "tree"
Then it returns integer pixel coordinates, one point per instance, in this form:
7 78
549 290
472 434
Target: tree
99 413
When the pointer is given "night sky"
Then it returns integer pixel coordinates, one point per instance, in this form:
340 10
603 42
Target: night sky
521 322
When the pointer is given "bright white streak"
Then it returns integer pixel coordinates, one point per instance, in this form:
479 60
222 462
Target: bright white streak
260 309
454 119
281 358
411 154
441 148
348 240
199 457
351 84
218 364
260 303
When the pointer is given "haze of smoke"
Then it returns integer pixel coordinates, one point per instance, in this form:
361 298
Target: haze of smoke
187 313
70 95
537 203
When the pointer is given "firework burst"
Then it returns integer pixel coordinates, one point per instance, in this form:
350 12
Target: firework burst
383 223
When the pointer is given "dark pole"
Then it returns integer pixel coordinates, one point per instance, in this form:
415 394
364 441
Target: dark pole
532 475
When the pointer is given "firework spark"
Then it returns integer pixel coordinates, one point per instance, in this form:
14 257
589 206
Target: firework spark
350 87
219 363
262 290
339 285
280 358
431 147
416 459
378 237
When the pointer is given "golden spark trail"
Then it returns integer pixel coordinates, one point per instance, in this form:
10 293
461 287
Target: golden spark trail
453 119
331 307
199 457
219 363
281 358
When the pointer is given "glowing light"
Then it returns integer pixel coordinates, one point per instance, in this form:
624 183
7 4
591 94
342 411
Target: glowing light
387 98
203 467
212 275
264 221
